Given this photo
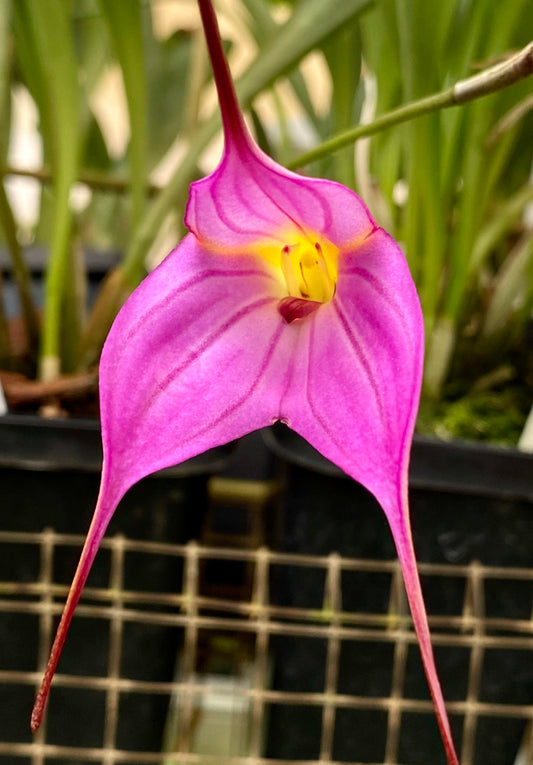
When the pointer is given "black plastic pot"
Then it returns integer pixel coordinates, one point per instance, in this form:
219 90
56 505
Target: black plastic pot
469 503
49 478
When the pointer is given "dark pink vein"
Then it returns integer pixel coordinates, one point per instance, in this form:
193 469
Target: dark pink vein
269 196
361 357
194 354
219 212
249 391
373 282
165 304
317 414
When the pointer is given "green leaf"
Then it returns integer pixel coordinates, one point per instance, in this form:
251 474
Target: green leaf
29 67
57 73
265 28
5 77
124 20
312 22
343 55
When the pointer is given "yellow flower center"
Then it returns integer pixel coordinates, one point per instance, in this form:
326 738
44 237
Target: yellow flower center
308 264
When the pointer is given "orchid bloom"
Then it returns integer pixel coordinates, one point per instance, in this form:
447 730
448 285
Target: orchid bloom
284 302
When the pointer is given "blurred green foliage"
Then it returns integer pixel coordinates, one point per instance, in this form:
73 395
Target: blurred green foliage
452 186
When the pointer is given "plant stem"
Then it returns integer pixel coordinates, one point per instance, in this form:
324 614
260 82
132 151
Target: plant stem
93 178
20 390
513 69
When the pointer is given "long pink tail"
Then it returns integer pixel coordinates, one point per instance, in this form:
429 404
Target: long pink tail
102 515
406 555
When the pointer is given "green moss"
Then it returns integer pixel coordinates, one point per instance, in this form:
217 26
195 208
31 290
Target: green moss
496 416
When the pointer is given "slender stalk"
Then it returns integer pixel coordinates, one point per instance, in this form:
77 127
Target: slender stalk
232 120
20 390
395 117
95 179
513 69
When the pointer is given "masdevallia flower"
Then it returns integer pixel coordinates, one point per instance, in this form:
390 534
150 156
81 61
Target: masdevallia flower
284 302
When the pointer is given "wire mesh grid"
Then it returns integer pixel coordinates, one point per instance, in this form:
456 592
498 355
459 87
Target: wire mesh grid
244 641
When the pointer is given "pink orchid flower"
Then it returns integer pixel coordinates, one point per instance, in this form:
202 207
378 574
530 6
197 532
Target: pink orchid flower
284 302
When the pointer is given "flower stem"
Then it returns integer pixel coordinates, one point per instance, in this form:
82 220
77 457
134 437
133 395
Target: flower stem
95 179
510 71
234 127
